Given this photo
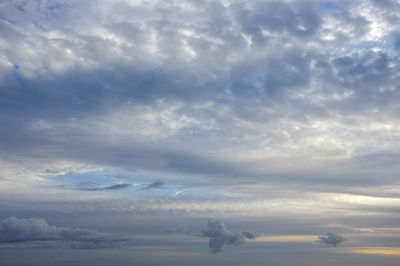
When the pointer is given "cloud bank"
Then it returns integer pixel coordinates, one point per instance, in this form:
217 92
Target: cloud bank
19 230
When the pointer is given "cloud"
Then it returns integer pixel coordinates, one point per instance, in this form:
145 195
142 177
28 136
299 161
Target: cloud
102 188
118 186
396 40
220 236
222 80
19 230
331 239
178 193
280 93
156 184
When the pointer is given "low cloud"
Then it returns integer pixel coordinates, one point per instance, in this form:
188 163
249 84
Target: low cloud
220 236
21 230
155 184
331 239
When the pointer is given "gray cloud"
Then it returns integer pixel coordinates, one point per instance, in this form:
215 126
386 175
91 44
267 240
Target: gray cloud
102 188
19 230
220 236
396 40
331 239
250 62
155 185
277 16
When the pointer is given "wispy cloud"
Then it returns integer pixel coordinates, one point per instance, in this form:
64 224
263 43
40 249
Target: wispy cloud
155 185
102 188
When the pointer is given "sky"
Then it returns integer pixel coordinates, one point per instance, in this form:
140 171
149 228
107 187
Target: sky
200 132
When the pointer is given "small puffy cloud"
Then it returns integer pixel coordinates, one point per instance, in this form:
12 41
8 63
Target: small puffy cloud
220 236
331 239
155 184
19 230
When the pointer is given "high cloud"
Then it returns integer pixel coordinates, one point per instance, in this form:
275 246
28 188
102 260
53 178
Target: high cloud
220 236
331 239
153 85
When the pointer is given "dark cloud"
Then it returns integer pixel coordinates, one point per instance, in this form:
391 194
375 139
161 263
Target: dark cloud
331 239
102 188
220 236
19 230
155 185
118 186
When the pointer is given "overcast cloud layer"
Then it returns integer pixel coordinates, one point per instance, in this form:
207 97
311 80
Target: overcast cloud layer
280 117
